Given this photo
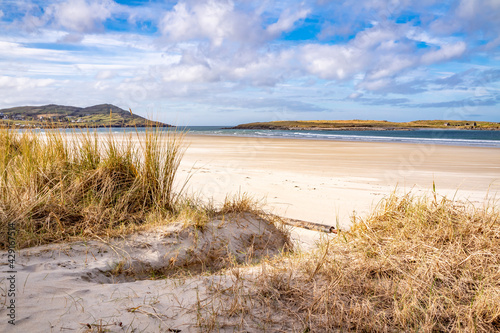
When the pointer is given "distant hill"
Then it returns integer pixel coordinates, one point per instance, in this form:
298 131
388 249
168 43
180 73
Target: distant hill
102 115
360 125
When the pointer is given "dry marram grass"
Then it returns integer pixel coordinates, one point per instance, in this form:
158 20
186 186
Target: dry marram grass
414 265
55 186
58 187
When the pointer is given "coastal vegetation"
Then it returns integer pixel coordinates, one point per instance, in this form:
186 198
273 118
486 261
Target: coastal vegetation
414 264
55 186
61 116
370 125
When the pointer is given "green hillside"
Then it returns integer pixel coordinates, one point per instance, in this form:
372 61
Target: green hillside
61 116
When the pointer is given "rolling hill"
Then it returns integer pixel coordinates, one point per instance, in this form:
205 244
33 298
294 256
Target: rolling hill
61 116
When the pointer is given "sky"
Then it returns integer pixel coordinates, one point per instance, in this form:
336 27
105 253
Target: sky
223 62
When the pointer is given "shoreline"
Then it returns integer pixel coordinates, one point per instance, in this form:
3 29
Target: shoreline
355 141
324 181
437 137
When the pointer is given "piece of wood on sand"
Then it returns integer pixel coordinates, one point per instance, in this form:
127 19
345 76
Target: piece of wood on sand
310 225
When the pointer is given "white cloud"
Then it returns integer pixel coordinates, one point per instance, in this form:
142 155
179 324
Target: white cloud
18 52
355 95
82 15
446 52
213 20
105 75
118 41
391 66
224 20
71 38
264 70
179 24
419 35
190 73
373 50
476 18
372 37
472 9
23 83
332 62
287 21
376 54
374 85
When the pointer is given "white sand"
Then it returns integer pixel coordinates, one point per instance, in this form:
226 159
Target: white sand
69 287
63 287
326 181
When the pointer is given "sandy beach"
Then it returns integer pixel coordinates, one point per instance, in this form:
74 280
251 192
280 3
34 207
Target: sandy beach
62 287
320 181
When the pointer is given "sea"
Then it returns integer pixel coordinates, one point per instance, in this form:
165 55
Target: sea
472 138
475 138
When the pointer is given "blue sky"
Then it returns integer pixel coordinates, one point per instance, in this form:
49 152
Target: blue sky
222 62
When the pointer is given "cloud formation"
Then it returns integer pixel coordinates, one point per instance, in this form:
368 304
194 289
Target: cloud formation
421 55
213 20
287 20
81 16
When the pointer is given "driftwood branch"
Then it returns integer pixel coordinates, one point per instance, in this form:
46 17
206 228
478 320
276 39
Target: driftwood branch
310 225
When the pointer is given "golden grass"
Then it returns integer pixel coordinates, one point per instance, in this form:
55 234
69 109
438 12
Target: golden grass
56 186
413 265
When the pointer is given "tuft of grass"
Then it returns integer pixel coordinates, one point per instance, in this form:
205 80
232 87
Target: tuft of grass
415 264
56 186
239 203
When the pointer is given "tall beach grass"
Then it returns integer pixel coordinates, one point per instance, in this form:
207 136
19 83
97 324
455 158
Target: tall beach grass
414 265
55 186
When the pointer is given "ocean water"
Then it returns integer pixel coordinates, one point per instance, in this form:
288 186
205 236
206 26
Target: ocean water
425 136
472 138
